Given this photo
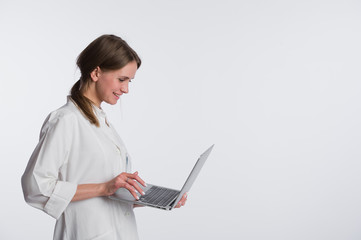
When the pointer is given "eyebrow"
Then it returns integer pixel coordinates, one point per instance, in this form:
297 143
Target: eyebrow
125 77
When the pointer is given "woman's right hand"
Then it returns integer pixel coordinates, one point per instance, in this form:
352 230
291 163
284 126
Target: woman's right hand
125 180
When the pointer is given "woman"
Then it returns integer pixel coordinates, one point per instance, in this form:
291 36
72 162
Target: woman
80 159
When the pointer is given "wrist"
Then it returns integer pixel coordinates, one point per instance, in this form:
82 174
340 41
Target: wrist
102 190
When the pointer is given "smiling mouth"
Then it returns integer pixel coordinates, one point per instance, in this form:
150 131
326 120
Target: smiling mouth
118 95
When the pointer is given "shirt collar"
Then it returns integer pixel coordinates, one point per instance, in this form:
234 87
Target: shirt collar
99 112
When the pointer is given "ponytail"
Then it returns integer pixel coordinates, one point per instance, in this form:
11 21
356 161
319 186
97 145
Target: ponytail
83 103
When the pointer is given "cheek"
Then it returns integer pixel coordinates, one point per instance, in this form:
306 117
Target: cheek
113 84
108 85
103 89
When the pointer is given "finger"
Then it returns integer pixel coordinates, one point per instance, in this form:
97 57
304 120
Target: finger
185 196
183 199
135 185
180 203
136 177
141 181
131 190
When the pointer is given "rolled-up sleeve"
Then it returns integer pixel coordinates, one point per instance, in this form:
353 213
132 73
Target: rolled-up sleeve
42 185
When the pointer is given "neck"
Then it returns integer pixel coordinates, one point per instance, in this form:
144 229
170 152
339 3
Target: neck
90 93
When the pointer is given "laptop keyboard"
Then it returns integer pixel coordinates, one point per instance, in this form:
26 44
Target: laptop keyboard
159 196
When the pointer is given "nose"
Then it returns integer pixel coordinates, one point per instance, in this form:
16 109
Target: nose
124 87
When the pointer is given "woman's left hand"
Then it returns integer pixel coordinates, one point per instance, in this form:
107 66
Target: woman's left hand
182 202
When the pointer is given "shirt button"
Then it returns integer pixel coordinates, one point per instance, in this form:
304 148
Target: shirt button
127 214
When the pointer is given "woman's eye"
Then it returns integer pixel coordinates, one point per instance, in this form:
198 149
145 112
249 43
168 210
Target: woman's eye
122 80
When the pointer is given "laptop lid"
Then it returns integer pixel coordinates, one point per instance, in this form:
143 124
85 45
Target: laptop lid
193 175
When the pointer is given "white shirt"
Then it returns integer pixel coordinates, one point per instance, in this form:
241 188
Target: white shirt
73 151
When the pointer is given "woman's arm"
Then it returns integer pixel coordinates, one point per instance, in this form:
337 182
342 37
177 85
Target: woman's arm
123 180
86 191
41 187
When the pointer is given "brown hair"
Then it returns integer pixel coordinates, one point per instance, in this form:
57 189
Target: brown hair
108 52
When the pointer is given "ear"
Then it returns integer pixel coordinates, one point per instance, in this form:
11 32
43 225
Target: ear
94 75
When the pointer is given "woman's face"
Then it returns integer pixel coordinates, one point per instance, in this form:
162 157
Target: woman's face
110 85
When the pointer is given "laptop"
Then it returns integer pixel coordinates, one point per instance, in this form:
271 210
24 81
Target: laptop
161 197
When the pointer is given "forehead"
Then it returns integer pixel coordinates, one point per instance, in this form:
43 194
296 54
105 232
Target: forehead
128 70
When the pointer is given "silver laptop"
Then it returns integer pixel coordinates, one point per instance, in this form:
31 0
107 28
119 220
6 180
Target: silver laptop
161 197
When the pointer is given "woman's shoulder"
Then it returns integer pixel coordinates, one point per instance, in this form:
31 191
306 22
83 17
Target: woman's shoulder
67 114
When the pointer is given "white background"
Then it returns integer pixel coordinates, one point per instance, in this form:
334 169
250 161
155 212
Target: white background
274 84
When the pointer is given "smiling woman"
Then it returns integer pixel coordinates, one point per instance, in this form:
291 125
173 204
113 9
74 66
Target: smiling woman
108 59
80 159
107 86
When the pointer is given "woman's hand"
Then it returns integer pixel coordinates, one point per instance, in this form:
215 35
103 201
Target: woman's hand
183 200
125 180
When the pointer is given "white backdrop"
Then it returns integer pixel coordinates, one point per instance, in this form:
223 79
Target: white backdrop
274 84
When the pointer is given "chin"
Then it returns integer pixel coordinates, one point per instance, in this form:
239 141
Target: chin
111 102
